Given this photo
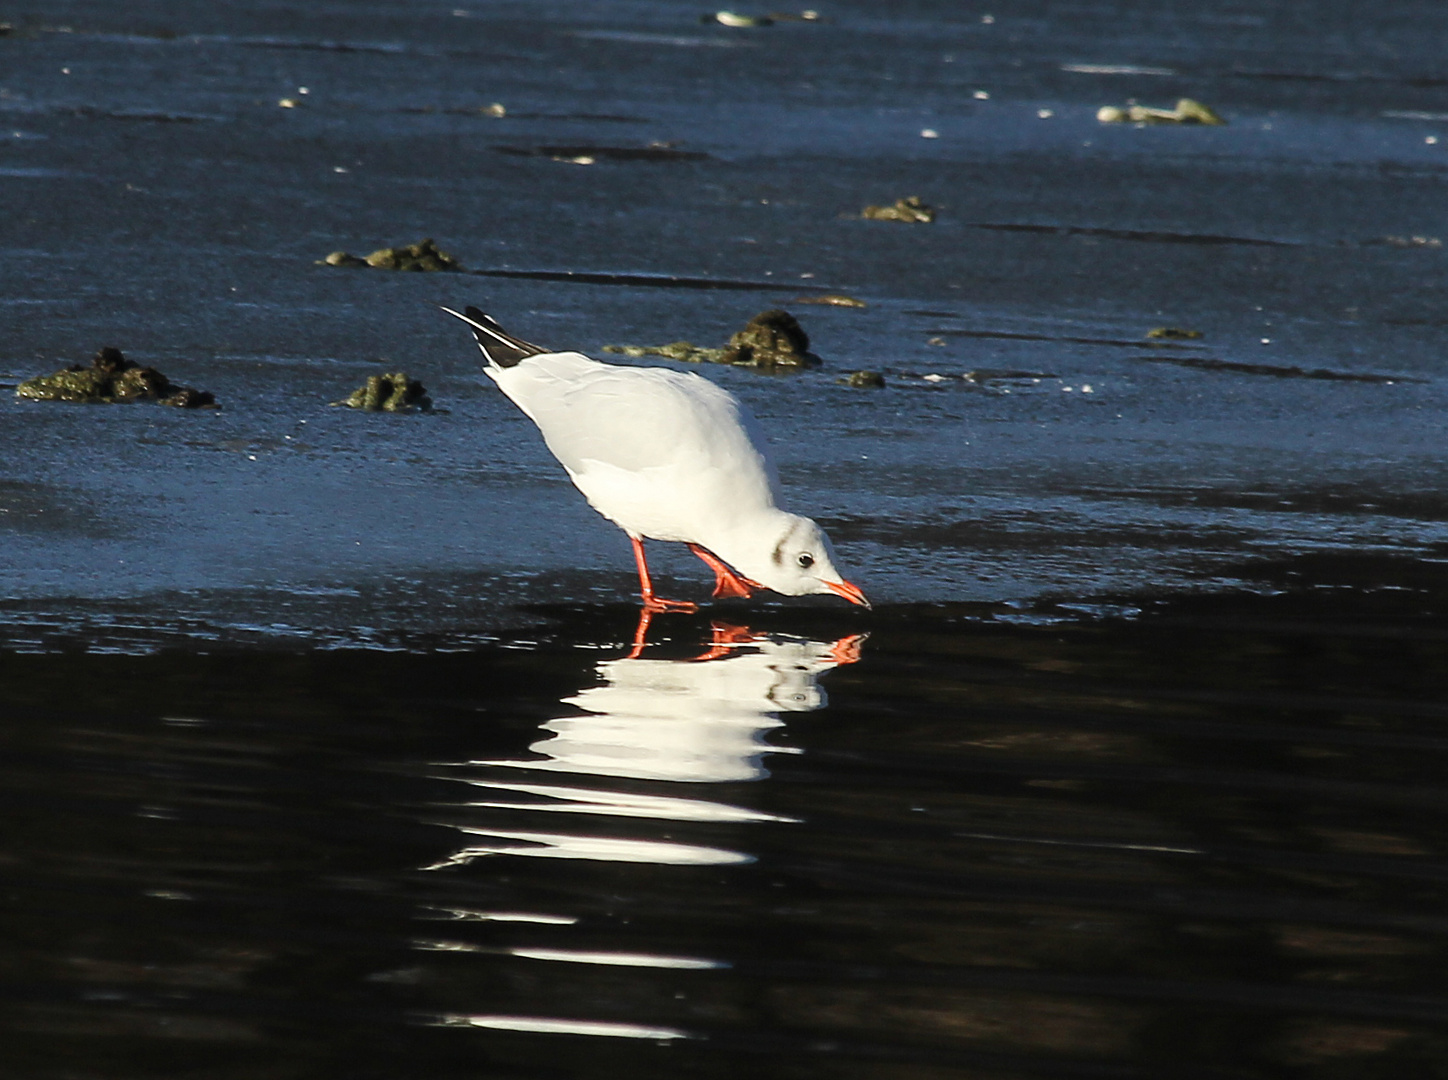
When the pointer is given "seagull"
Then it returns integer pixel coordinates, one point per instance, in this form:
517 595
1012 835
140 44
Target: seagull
665 456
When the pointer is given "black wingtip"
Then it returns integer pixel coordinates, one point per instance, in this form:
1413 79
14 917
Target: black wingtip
501 348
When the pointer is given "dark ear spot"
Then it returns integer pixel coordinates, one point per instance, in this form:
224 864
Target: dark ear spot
778 555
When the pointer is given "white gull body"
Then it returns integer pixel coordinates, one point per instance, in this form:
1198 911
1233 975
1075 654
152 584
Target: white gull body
665 455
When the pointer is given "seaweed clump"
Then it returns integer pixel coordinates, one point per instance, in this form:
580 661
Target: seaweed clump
392 392
1187 111
910 209
674 350
424 255
865 380
771 341
112 379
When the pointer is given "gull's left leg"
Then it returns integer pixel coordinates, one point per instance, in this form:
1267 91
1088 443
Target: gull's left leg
726 581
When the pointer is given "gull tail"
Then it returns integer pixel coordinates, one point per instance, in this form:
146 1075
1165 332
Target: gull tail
502 349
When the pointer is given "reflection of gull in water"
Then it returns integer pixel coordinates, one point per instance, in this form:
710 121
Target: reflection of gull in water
700 722
678 721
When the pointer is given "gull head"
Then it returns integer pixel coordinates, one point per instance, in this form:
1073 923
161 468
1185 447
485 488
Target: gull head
796 560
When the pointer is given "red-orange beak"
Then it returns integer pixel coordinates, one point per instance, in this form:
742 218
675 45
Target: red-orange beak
848 591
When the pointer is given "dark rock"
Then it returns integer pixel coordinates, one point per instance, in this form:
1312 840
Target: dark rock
110 360
773 340
112 379
187 398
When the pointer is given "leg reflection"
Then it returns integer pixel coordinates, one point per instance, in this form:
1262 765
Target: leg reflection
727 637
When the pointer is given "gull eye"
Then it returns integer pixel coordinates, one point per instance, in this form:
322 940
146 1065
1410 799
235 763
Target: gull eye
806 560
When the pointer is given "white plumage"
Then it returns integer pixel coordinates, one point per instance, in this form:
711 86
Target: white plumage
665 456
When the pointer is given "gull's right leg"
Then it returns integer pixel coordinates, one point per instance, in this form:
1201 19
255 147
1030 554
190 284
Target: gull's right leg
646 586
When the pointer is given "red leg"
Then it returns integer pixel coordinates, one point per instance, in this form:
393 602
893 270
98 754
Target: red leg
726 581
646 586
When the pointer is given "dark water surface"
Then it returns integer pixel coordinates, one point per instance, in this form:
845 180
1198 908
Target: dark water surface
323 749
1206 841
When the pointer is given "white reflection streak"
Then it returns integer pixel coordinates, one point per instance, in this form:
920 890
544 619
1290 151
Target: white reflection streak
548 1026
572 956
432 945
681 721
468 915
623 804
576 956
605 848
